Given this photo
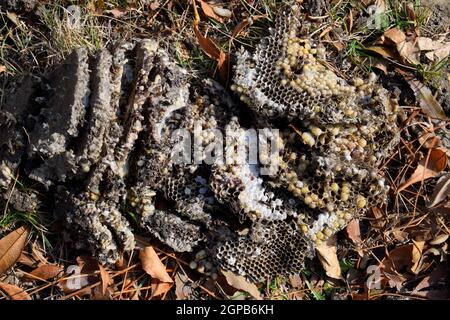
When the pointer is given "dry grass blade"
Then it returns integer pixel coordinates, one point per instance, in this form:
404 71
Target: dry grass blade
11 247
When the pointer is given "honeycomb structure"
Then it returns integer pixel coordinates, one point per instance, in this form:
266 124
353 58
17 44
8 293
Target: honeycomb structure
338 135
272 248
102 137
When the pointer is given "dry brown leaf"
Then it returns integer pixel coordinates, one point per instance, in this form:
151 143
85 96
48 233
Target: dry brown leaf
443 209
14 18
97 294
117 12
223 12
402 259
439 239
437 50
14 292
437 276
38 254
2 68
383 51
240 283
336 43
244 24
350 21
209 11
326 252
395 35
399 235
26 260
441 191
380 64
182 287
87 264
430 106
159 287
106 280
377 217
408 52
295 281
155 5
395 264
442 52
409 8
210 48
11 247
153 265
429 140
416 255
45 272
425 44
428 167
353 231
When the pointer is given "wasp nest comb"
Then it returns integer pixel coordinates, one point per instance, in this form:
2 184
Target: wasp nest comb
102 136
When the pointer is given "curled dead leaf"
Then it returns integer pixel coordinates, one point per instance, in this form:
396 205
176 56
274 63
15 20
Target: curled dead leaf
425 287
153 265
209 11
211 49
326 252
14 292
425 44
439 239
222 12
106 280
11 247
429 167
377 217
416 256
161 281
399 261
117 12
441 191
395 35
244 24
430 106
353 231
240 283
182 287
160 288
384 51
394 265
45 272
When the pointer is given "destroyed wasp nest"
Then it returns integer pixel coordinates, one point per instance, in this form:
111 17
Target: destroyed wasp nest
100 133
